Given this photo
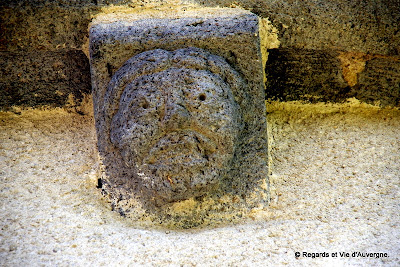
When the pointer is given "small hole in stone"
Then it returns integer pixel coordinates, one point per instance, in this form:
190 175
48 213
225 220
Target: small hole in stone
99 183
202 97
145 105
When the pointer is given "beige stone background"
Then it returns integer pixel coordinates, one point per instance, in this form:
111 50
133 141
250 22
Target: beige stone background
335 172
335 167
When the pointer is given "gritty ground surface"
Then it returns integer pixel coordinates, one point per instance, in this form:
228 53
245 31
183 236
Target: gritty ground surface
335 188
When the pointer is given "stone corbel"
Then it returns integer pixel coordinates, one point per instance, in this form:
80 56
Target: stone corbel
180 114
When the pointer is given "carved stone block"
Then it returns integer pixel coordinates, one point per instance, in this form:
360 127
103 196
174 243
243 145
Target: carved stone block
180 115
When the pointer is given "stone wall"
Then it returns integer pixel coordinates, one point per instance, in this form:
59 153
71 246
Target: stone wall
329 50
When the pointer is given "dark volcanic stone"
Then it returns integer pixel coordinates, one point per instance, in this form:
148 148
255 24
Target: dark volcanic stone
43 78
180 114
380 82
299 74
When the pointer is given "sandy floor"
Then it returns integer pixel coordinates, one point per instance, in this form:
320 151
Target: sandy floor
335 188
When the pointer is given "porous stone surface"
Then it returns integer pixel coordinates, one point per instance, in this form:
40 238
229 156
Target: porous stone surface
350 25
181 132
369 27
332 76
41 57
177 128
380 82
31 78
301 74
354 26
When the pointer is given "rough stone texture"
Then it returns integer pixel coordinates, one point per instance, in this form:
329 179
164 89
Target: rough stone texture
43 27
380 81
355 25
176 127
368 27
41 58
34 78
294 74
182 133
332 76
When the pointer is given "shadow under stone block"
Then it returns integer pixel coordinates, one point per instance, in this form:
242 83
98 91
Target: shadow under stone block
380 82
317 75
43 77
303 74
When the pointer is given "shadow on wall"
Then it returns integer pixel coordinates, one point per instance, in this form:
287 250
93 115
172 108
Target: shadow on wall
32 78
332 76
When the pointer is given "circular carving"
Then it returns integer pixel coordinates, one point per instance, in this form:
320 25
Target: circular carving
174 120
